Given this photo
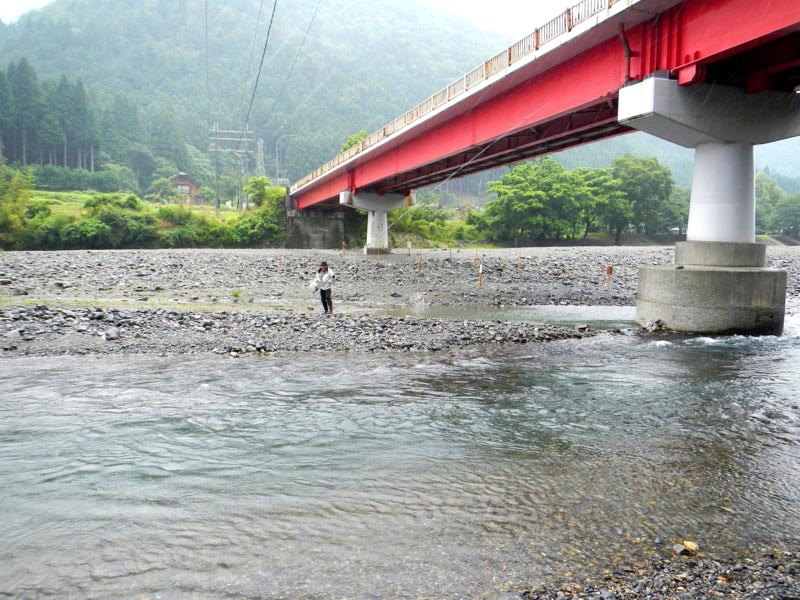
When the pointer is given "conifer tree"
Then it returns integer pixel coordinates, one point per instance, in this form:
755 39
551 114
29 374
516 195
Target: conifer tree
50 132
6 112
27 103
64 92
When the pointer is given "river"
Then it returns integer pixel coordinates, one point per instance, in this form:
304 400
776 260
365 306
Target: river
467 473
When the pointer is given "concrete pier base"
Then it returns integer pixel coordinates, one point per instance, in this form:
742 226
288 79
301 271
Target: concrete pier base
737 295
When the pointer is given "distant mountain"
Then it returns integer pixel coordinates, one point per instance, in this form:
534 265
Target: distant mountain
361 65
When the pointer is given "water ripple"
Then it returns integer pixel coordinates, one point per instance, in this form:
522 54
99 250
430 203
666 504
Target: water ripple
397 476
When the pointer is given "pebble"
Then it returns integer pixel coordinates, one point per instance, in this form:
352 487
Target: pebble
775 575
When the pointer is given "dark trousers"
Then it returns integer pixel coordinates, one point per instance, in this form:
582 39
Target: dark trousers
327 304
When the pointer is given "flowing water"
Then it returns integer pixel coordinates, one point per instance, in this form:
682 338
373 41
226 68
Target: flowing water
464 474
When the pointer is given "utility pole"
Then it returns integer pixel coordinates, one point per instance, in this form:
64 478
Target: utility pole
278 158
261 169
236 142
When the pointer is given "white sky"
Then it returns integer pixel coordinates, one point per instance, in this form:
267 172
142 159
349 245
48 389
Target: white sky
11 9
512 18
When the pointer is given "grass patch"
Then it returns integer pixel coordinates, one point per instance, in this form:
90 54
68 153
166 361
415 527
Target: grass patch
71 204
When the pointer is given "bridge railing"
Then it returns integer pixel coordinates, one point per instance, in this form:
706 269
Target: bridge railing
556 27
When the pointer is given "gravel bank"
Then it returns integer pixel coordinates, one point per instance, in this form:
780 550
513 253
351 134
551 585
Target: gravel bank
240 301
232 279
41 331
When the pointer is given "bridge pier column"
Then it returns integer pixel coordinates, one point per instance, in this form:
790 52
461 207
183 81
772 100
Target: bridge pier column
377 207
719 283
377 232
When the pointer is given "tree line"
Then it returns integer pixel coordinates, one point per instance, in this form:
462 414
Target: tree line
58 129
47 122
544 202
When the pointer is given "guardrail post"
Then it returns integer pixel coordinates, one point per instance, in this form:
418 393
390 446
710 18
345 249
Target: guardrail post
536 38
509 57
568 15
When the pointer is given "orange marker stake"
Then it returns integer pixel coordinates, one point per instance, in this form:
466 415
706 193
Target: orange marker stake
609 274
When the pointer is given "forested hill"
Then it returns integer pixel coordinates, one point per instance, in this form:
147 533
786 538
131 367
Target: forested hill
360 66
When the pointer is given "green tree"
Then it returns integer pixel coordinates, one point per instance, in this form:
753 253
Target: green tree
66 117
122 131
50 132
786 216
85 127
161 190
675 211
605 202
538 200
6 112
647 185
354 139
27 103
169 141
261 192
14 196
768 196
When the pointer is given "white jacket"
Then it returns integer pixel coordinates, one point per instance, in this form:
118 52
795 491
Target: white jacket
323 280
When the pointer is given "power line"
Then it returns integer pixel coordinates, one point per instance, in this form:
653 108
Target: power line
255 37
252 51
258 75
208 84
299 51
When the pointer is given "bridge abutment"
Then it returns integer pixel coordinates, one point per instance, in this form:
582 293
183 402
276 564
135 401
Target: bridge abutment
719 282
315 229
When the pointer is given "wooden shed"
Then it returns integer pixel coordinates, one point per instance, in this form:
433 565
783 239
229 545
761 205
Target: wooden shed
186 186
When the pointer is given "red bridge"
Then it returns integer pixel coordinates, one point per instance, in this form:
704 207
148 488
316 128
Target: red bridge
719 76
559 87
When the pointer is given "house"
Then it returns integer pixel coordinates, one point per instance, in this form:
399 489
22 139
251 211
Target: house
186 186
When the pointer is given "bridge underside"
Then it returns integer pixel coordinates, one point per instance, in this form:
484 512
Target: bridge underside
579 127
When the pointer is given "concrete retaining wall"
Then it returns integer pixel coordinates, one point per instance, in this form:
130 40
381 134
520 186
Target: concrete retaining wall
315 229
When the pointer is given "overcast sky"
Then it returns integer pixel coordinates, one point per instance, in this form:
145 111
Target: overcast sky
513 18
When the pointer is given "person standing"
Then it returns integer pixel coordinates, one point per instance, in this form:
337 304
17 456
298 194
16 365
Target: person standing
324 283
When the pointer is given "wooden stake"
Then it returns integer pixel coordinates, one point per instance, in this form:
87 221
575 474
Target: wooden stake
609 273
480 276
419 264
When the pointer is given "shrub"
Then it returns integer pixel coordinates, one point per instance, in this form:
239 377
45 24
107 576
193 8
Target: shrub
257 228
174 215
88 233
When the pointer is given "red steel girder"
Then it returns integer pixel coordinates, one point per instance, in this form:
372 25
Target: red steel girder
687 40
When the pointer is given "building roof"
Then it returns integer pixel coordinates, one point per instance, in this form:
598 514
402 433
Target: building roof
184 177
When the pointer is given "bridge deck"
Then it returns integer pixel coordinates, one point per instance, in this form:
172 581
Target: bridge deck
553 89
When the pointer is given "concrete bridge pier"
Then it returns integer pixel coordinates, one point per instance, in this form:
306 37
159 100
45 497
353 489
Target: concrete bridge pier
377 207
719 282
